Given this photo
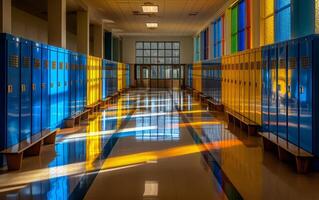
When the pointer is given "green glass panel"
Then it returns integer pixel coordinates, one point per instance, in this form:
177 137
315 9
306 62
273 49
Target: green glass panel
234 29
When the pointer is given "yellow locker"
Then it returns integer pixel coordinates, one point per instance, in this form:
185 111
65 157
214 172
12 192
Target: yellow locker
246 85
237 86
232 89
223 76
258 86
241 84
252 85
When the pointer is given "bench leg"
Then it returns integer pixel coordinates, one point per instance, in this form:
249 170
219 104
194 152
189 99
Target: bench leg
283 155
268 146
302 165
69 123
50 139
77 120
252 130
14 161
85 115
34 150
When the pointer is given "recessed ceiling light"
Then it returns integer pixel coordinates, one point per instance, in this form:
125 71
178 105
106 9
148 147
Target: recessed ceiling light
152 25
150 8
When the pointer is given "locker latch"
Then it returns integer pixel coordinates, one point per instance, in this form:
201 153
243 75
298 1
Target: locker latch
51 85
289 88
33 87
302 89
59 84
10 89
43 85
23 88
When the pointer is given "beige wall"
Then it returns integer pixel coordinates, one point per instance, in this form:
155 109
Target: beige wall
129 47
34 28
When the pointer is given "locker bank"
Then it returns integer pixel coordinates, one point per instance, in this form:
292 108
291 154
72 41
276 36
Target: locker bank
159 99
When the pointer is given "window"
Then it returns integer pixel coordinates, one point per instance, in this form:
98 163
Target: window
157 53
240 26
277 21
196 48
218 37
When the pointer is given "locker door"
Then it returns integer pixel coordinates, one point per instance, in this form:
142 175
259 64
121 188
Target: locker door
246 85
67 93
258 86
88 83
61 90
72 84
45 83
252 80
104 84
282 90
292 90
78 84
25 98
82 82
273 98
36 88
13 91
85 80
241 84
305 93
265 89
53 92
237 83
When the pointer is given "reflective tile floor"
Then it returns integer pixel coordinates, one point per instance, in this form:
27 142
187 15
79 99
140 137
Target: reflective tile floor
156 145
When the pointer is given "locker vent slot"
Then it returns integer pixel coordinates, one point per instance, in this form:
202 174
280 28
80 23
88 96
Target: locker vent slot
26 62
37 63
14 61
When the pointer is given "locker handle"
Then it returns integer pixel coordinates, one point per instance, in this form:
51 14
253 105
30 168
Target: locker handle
51 85
43 85
289 88
33 87
10 89
301 90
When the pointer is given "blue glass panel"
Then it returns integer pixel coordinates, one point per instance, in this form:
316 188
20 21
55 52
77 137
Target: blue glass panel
241 15
273 95
305 93
293 94
283 25
241 41
13 98
282 3
45 89
282 90
25 98
36 88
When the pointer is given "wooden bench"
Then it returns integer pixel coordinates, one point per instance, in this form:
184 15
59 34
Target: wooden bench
286 150
242 122
15 153
106 101
94 107
213 105
76 119
203 98
196 94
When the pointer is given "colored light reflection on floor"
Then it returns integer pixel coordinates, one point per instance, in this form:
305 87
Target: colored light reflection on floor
167 153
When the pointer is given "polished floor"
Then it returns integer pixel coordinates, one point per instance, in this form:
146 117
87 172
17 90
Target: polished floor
156 145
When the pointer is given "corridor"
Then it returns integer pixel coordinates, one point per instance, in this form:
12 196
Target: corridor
155 144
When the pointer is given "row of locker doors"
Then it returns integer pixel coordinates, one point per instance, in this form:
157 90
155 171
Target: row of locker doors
288 81
42 89
211 80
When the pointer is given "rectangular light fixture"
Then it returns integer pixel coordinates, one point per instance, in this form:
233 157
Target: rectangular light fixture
152 25
151 189
150 9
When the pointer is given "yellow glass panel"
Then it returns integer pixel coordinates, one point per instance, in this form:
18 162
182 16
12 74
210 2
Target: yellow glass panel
269 30
269 7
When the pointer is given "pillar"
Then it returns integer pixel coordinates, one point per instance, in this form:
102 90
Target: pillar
98 40
57 23
255 23
5 21
83 32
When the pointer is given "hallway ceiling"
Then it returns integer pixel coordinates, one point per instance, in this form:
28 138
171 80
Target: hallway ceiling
174 17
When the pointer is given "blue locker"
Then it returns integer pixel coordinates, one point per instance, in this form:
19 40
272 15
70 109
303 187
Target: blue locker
36 88
72 83
67 109
292 90
25 97
104 80
78 92
53 91
60 84
265 89
45 83
282 90
273 94
84 81
10 120
305 93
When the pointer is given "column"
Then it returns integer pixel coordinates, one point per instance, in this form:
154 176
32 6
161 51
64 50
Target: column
83 31
98 40
5 21
57 23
